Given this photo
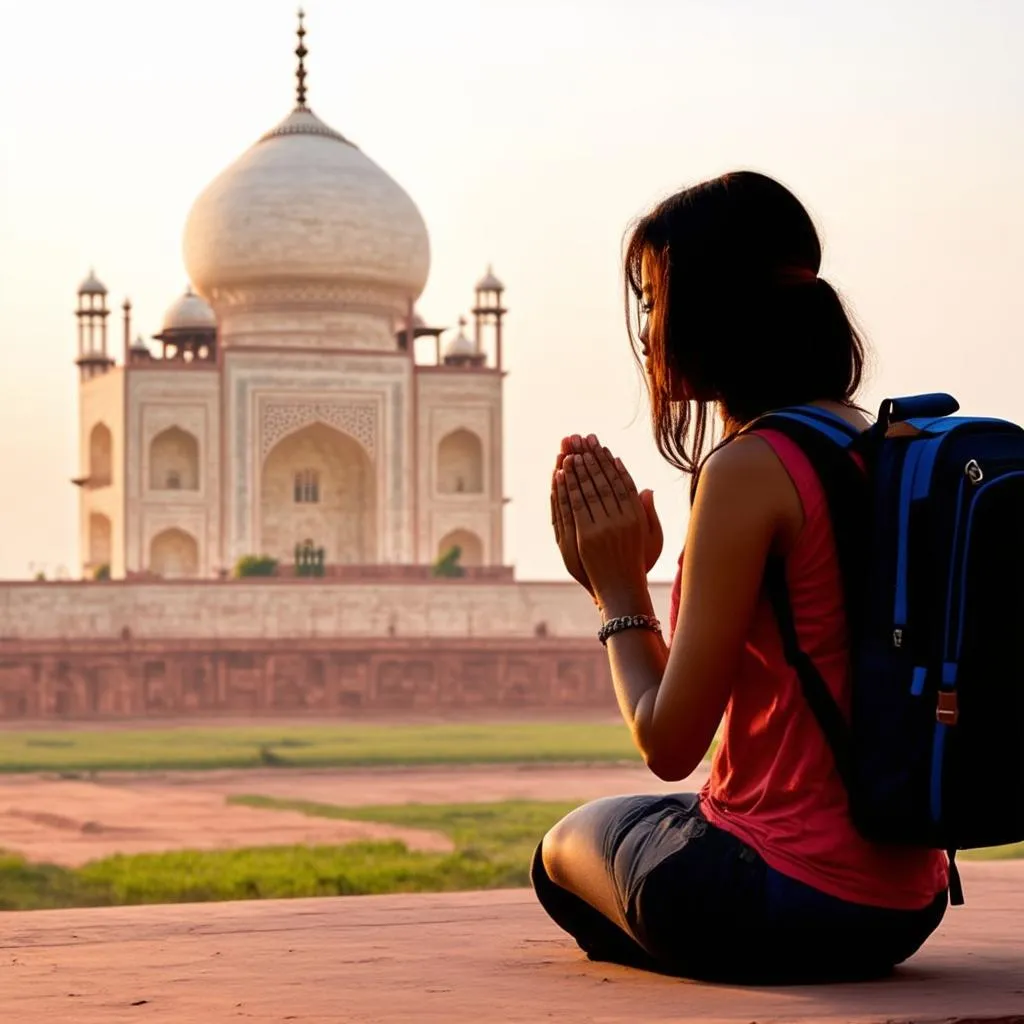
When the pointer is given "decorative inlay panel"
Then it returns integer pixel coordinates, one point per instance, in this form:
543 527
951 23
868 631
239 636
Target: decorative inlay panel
282 419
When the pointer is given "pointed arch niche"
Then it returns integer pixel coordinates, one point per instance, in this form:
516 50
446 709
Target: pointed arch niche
101 456
174 554
174 461
460 463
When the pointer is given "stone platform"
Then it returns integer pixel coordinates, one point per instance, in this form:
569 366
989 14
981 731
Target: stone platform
457 958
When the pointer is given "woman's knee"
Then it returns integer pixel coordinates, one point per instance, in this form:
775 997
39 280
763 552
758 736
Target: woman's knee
575 838
553 851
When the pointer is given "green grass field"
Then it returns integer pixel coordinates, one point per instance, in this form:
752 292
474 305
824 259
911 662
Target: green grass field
494 828
1013 852
312 746
493 845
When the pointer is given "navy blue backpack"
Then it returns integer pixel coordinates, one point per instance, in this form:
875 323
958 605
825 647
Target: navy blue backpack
930 537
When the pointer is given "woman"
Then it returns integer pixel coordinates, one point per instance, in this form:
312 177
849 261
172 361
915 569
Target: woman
762 876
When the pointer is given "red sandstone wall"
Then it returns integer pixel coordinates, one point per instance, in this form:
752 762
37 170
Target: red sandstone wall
278 646
136 679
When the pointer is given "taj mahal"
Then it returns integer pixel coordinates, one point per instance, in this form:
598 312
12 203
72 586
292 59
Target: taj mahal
293 402
292 394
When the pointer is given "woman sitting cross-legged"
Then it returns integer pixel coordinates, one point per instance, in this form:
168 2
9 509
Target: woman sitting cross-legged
761 877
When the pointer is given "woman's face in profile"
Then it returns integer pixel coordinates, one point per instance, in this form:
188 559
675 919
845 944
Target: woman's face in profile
647 307
651 311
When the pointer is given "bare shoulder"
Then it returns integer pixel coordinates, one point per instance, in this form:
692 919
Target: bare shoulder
746 464
747 478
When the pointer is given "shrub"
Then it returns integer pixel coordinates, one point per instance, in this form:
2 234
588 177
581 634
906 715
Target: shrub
447 564
255 565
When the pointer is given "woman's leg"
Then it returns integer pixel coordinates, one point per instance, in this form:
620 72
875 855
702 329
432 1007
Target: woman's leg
598 937
590 864
579 852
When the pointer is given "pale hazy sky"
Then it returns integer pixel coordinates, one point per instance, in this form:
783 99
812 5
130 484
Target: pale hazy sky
529 133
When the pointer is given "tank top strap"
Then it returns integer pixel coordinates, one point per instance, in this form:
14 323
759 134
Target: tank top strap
800 470
808 487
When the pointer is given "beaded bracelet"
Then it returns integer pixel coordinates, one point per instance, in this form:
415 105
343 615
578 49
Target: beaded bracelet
617 625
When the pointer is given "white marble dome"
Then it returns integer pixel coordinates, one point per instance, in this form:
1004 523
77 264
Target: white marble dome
190 312
305 207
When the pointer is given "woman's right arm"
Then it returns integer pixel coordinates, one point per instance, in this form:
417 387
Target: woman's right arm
744 500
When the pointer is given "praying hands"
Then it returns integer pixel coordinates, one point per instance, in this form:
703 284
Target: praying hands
608 533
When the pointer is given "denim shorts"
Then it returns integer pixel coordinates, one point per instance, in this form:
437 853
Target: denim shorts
701 903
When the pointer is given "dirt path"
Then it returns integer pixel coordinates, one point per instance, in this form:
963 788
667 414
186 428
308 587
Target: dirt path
72 822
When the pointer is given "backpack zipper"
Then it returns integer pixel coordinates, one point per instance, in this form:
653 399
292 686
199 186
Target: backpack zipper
973 474
920 674
915 484
908 479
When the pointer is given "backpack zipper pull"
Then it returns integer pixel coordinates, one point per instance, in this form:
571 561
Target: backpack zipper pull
973 472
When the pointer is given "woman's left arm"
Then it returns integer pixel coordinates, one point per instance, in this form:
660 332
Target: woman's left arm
673 700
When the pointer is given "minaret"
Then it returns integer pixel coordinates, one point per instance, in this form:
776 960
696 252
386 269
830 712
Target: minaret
489 311
93 358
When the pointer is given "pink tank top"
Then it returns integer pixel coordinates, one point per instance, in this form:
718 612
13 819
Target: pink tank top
773 782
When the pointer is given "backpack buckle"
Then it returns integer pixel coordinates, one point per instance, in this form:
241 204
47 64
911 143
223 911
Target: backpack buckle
947 712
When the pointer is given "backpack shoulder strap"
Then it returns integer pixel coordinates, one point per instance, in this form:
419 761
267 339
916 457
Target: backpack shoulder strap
829 443
816 692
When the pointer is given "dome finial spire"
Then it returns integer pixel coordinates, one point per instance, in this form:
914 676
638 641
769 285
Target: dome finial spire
301 52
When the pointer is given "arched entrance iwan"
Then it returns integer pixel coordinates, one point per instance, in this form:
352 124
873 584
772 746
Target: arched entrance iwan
318 485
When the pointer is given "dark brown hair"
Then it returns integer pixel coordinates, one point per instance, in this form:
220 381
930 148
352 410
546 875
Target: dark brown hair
741 317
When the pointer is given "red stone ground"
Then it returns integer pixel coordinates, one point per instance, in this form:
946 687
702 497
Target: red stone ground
457 958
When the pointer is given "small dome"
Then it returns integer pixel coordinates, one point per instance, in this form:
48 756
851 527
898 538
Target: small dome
460 347
139 345
92 285
189 313
489 283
